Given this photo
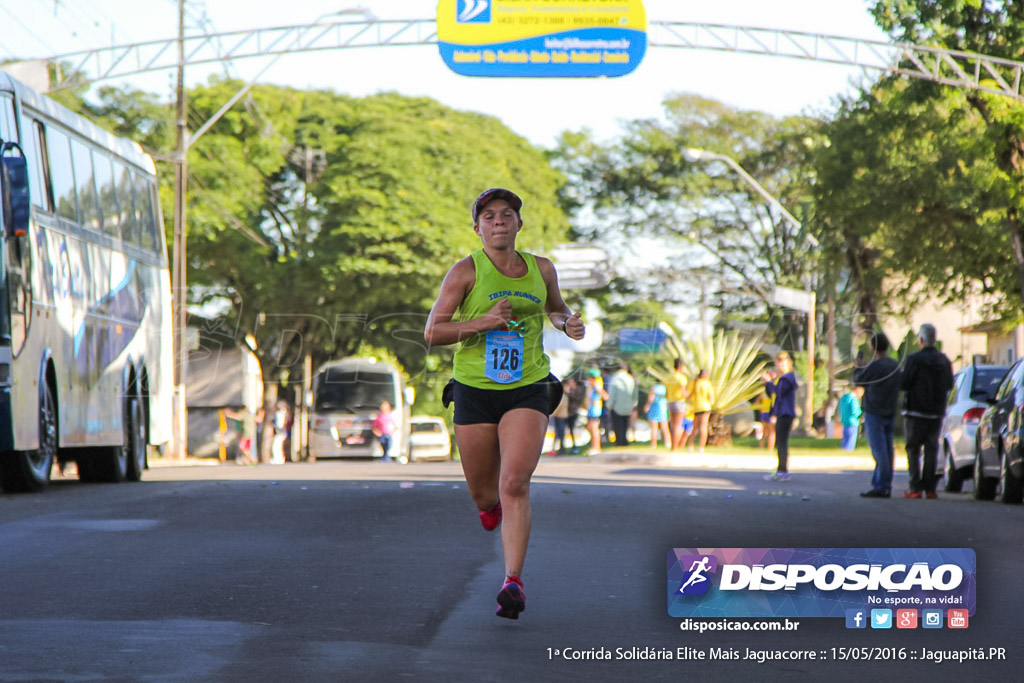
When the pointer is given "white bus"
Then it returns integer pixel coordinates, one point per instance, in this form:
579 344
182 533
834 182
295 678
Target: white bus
85 301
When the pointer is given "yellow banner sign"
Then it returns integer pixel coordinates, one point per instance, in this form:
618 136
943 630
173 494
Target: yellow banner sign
544 38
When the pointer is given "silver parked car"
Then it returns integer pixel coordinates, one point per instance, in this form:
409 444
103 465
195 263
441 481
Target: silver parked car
973 387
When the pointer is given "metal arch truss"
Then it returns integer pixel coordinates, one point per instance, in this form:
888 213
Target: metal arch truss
129 59
960 69
968 70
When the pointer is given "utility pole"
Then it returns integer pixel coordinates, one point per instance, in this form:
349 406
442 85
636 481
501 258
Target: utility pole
180 298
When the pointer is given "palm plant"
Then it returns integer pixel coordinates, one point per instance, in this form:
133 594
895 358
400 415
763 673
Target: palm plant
734 368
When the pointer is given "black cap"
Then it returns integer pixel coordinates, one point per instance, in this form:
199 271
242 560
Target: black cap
496 193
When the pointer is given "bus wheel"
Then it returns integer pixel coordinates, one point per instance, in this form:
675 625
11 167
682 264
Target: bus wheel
30 470
110 463
135 427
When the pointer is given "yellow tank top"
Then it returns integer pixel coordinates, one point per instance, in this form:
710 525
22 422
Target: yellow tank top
513 356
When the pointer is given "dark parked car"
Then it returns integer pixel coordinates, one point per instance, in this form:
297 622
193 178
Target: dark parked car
973 387
998 464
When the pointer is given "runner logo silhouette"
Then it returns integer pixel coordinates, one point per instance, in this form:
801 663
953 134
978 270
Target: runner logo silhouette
699 566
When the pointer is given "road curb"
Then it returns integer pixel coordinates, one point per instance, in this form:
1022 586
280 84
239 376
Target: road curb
726 460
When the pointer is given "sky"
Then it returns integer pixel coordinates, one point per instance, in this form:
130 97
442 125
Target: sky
538 109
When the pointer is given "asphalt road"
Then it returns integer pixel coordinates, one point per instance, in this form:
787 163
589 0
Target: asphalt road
342 571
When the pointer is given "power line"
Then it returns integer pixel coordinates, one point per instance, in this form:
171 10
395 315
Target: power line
28 30
80 22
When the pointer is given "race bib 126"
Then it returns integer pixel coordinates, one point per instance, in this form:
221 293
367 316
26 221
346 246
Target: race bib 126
504 357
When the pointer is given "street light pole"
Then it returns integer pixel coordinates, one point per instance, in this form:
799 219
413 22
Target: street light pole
694 155
180 182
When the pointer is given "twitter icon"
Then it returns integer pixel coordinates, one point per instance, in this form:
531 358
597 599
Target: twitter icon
881 618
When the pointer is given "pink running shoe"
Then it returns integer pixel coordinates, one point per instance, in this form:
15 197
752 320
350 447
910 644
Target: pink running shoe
491 518
511 599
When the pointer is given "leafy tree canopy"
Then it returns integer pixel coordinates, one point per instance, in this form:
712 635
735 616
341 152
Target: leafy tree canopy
322 223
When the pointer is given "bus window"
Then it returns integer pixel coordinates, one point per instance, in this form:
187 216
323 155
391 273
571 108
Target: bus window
62 174
129 225
41 194
146 216
108 193
85 178
8 128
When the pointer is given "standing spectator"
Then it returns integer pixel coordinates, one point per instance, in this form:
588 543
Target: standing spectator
702 397
763 414
383 427
849 416
622 396
769 422
676 386
783 392
561 420
828 411
635 413
687 426
657 414
927 380
577 397
246 422
606 415
281 422
596 396
881 381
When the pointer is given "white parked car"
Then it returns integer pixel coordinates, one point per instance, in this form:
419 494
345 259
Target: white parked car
973 388
429 438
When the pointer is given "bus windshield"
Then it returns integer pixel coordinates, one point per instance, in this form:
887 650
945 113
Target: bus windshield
351 391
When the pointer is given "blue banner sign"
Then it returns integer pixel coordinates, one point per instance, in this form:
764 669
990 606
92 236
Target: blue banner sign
637 340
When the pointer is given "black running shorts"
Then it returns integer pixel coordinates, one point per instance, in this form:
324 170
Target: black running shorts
488 406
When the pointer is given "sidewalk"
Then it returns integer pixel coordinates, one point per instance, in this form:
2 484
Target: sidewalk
726 458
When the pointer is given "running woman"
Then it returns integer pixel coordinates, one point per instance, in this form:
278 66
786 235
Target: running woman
492 303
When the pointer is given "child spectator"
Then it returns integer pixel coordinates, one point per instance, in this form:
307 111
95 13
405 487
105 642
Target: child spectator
657 414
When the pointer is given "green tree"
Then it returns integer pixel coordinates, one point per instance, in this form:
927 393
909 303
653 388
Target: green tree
912 197
322 224
955 160
702 217
328 221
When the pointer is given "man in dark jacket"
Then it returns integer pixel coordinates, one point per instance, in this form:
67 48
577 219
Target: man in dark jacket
881 381
927 380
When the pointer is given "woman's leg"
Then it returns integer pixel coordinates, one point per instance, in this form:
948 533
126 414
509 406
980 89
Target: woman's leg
481 461
676 420
594 428
783 427
702 424
521 437
665 432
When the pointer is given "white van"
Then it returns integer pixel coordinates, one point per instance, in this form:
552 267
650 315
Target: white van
346 398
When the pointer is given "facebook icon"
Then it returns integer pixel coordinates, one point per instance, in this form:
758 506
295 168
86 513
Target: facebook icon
856 618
